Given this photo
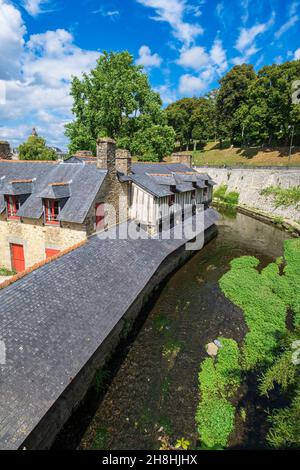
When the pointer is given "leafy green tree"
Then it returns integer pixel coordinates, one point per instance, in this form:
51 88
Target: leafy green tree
233 93
115 100
180 117
203 119
35 149
271 116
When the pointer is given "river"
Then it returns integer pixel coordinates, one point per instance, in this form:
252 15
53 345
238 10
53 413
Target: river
155 391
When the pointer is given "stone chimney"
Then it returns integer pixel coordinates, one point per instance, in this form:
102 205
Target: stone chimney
123 161
184 158
106 154
5 152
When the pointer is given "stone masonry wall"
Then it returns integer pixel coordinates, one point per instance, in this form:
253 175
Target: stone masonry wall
249 182
35 237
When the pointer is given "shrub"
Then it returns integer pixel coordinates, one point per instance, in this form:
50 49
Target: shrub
283 196
231 198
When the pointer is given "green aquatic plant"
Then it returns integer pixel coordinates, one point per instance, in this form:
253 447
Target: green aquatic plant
219 379
264 310
100 440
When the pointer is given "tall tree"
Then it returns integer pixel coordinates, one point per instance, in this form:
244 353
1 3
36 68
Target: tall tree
35 149
179 116
233 94
116 100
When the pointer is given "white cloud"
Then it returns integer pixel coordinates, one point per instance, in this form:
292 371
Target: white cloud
190 85
286 26
218 56
293 8
194 58
246 42
36 76
172 12
12 31
167 93
34 7
297 54
210 66
147 59
113 14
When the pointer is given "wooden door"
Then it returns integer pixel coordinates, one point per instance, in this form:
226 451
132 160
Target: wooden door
100 216
17 256
50 252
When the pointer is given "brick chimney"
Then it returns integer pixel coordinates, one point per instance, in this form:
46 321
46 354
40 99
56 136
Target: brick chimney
5 152
123 161
106 154
184 158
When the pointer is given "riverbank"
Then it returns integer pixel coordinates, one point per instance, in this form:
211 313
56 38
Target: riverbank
269 192
160 371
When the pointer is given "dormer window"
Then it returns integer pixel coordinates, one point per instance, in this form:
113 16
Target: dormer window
52 210
13 205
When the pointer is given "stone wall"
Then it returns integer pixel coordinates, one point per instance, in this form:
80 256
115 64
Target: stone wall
5 152
116 193
249 182
35 237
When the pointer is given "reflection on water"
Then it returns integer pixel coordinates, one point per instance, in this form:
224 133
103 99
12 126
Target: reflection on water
156 386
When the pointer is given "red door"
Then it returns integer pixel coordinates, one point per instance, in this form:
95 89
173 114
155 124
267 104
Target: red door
100 216
50 252
17 256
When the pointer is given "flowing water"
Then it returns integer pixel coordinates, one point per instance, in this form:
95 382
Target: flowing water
155 390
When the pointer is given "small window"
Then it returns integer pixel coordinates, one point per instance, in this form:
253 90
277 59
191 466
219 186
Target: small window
194 194
13 205
51 211
171 200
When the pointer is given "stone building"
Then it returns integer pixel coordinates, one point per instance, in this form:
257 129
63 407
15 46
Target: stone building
47 207
5 151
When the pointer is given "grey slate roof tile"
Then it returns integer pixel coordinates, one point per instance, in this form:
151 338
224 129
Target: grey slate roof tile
54 319
85 182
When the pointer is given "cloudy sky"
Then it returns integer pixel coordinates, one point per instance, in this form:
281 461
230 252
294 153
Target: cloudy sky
185 45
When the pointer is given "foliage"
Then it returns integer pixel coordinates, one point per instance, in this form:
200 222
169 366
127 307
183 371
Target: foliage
6 272
285 430
248 108
283 371
218 380
233 93
215 419
231 198
182 444
283 196
35 149
100 440
193 119
115 99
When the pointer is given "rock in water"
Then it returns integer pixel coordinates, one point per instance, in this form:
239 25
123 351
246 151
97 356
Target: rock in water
212 349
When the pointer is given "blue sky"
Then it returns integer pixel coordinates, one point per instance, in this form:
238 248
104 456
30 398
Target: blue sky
185 46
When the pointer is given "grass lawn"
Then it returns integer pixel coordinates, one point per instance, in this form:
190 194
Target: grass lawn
254 156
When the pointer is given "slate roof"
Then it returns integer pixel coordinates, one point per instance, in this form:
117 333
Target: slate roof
159 179
54 319
85 180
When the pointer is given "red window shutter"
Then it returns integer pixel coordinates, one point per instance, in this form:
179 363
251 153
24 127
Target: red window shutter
100 217
51 252
17 256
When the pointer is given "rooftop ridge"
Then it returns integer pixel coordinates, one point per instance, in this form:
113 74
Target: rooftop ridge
54 162
36 266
